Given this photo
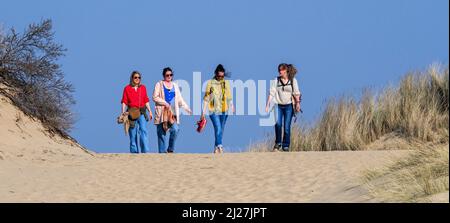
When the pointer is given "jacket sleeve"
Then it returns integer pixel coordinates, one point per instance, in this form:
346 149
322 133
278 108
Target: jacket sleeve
296 88
124 97
156 95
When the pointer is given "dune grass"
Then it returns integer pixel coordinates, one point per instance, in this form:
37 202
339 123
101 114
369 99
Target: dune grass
414 178
417 111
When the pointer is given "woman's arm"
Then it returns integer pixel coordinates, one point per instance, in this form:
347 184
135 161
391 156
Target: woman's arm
147 105
206 98
205 106
269 99
124 100
181 100
186 107
272 92
297 99
297 103
233 109
124 107
297 95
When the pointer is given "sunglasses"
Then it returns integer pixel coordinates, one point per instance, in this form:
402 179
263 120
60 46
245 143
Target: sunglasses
168 75
137 78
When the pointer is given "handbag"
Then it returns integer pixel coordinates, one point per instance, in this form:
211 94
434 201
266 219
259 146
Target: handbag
134 113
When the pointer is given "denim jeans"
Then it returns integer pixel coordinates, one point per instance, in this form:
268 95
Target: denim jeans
283 124
141 127
218 121
164 142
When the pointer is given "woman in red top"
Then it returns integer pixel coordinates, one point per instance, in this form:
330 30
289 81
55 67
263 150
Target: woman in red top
135 96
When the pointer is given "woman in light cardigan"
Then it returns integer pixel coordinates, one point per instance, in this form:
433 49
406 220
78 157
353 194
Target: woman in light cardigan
167 95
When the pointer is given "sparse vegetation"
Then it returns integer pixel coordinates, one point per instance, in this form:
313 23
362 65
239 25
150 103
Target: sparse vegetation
31 77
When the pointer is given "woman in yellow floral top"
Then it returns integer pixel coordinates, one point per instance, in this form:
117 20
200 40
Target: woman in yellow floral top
218 100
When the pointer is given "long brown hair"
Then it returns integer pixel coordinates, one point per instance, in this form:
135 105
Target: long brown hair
131 78
290 68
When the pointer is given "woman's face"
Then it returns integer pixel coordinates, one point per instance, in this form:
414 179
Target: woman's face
168 76
220 75
283 72
136 79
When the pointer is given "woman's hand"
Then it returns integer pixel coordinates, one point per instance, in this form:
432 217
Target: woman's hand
297 107
188 110
267 108
167 105
150 116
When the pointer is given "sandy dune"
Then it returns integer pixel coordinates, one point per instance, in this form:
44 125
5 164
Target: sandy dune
37 167
25 138
239 177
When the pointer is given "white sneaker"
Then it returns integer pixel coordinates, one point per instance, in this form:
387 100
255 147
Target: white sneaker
216 150
276 148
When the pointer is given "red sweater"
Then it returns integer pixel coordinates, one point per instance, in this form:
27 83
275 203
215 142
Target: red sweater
133 98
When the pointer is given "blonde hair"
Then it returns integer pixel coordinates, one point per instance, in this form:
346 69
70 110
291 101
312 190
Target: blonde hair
131 78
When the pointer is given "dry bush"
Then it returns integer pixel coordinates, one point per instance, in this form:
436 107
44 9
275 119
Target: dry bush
33 78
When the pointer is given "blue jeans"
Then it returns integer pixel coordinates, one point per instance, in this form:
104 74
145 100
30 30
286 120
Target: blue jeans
218 121
284 116
163 142
141 126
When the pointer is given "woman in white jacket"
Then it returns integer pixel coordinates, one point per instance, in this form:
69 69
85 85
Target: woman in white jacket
286 94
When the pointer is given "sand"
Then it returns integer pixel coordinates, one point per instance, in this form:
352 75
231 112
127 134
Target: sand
237 177
38 167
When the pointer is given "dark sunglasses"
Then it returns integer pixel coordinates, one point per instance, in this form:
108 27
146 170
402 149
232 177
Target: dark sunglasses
169 75
137 78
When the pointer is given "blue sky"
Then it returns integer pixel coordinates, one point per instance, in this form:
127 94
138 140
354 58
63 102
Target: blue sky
339 47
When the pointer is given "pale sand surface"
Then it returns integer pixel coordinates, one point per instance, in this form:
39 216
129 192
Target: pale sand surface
237 177
36 167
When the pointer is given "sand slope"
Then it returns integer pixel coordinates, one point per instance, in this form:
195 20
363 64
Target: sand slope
38 167
25 138
239 177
